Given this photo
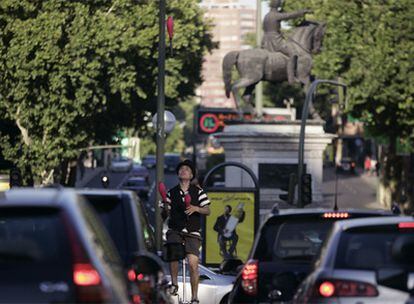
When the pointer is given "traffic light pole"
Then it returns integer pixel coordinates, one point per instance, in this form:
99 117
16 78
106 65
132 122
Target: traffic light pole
305 113
160 122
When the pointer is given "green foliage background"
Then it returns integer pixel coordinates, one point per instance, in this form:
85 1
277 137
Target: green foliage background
74 72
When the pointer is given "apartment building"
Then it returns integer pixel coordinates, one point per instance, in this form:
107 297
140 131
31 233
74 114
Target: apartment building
232 20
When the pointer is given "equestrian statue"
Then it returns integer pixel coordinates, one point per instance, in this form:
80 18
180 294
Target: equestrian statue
279 58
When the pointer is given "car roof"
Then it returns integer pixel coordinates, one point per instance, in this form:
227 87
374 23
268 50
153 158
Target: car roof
372 221
149 156
136 178
103 192
310 211
46 197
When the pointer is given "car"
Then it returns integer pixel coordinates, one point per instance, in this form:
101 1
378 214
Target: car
283 250
171 161
139 170
126 221
54 249
149 161
137 184
213 288
346 165
121 164
363 261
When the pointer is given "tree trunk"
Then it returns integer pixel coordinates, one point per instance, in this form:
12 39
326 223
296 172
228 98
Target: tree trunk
393 181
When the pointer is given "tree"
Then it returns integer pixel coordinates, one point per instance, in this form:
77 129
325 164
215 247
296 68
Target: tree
74 72
370 44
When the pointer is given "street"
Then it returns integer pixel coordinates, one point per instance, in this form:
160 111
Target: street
354 190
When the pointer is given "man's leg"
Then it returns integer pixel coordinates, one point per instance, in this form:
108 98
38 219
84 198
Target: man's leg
194 275
235 239
174 239
222 245
174 272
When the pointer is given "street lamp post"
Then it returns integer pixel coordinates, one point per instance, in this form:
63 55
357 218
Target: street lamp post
305 113
259 86
160 121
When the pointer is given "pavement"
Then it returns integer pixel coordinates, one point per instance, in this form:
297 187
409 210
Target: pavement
357 190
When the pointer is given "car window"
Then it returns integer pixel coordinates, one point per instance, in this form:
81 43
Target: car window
34 245
110 211
102 238
135 182
147 231
368 250
291 239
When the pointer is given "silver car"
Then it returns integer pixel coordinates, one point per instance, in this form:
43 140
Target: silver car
213 288
367 260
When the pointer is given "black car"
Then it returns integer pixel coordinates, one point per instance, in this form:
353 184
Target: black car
282 254
126 221
149 161
137 184
54 249
171 161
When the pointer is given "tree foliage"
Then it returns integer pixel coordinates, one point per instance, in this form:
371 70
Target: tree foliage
74 72
370 44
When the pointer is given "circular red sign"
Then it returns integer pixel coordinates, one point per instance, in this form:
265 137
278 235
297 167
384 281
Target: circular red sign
209 123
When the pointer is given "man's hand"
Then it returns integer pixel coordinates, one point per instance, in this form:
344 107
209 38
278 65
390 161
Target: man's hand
191 209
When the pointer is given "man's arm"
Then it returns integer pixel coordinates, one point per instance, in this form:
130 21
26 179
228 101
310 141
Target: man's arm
204 210
293 15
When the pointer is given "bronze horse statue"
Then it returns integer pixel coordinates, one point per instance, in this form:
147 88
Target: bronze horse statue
255 65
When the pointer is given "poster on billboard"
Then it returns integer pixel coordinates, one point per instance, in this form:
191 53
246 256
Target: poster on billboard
230 228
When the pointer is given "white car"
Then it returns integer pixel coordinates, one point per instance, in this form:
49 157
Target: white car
213 288
368 260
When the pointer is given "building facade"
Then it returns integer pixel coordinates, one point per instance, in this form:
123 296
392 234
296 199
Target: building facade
232 21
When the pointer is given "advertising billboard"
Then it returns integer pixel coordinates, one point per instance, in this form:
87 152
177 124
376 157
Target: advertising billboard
230 228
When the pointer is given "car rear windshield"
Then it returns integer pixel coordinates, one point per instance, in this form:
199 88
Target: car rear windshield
33 245
172 159
369 250
135 182
291 239
115 219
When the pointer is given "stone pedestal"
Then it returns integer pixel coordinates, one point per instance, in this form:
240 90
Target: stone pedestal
270 150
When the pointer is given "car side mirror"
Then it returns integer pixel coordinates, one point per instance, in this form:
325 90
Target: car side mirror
147 263
230 266
204 277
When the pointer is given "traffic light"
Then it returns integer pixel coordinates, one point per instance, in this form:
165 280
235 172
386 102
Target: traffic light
306 189
15 178
290 196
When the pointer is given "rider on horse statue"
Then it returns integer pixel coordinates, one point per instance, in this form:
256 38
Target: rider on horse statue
273 39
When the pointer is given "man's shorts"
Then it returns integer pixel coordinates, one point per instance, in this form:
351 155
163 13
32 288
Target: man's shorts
192 243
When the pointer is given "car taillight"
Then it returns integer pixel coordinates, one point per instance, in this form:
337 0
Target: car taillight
345 288
86 278
249 277
326 289
131 275
406 225
85 275
335 215
136 299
